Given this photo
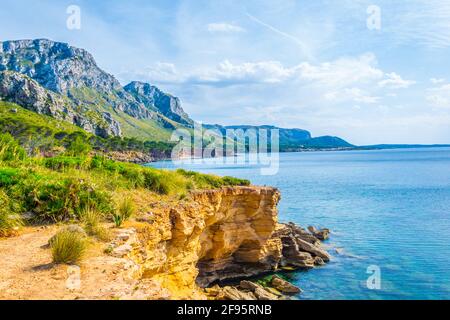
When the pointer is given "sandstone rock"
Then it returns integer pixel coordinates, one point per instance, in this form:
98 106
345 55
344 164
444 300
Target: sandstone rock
284 286
259 291
248 285
318 261
322 234
232 293
302 233
219 235
275 292
262 294
122 251
308 247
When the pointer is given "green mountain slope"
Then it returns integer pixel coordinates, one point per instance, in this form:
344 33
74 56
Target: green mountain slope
62 82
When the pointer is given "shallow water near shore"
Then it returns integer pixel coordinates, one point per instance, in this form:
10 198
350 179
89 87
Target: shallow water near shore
386 208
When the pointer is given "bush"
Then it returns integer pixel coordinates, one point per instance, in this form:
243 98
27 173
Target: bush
205 181
63 163
79 147
165 182
68 247
10 150
8 177
61 199
232 181
92 219
125 211
127 208
9 220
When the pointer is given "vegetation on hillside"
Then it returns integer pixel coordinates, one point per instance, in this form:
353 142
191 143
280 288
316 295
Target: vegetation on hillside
40 134
62 188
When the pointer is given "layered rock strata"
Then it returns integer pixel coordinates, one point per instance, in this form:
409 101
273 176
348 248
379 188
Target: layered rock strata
219 235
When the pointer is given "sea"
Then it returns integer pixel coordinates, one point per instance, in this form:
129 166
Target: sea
388 212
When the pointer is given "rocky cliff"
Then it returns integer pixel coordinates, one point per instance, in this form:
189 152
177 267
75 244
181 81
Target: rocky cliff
99 103
72 74
26 92
153 98
220 235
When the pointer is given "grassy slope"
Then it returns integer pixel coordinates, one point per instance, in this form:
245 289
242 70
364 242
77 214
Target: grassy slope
60 188
35 131
131 127
25 123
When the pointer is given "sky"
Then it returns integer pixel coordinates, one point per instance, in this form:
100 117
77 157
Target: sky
367 71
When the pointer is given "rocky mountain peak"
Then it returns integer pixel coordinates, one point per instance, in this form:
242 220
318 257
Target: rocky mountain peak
155 99
56 66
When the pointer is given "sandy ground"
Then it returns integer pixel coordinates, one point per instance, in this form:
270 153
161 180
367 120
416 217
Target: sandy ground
27 272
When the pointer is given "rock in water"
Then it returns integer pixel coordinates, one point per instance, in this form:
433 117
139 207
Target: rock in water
322 234
284 286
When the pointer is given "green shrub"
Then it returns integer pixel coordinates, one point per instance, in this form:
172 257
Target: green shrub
8 176
232 181
10 150
63 163
68 247
61 199
92 219
78 147
118 219
206 181
9 220
166 182
127 208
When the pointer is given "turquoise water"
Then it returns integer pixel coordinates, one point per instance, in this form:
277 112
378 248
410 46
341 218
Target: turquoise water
388 208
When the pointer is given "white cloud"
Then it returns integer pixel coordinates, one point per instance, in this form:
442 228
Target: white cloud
439 97
395 81
437 81
337 74
224 27
160 72
342 72
255 72
351 94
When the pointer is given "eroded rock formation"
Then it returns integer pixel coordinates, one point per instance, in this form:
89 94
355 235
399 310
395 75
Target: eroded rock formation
218 235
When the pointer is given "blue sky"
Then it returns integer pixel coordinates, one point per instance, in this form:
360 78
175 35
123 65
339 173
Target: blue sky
307 64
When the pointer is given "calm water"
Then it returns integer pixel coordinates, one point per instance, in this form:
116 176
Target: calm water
387 208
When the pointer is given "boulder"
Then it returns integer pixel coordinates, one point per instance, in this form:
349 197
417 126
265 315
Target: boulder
314 250
259 291
232 293
318 261
322 234
284 286
122 251
263 294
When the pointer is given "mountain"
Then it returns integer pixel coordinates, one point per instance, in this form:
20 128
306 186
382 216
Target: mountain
153 98
57 80
87 96
291 139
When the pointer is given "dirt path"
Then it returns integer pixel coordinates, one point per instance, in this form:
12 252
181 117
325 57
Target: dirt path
28 274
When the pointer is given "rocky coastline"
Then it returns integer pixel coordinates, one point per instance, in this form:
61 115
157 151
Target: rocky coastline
220 235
